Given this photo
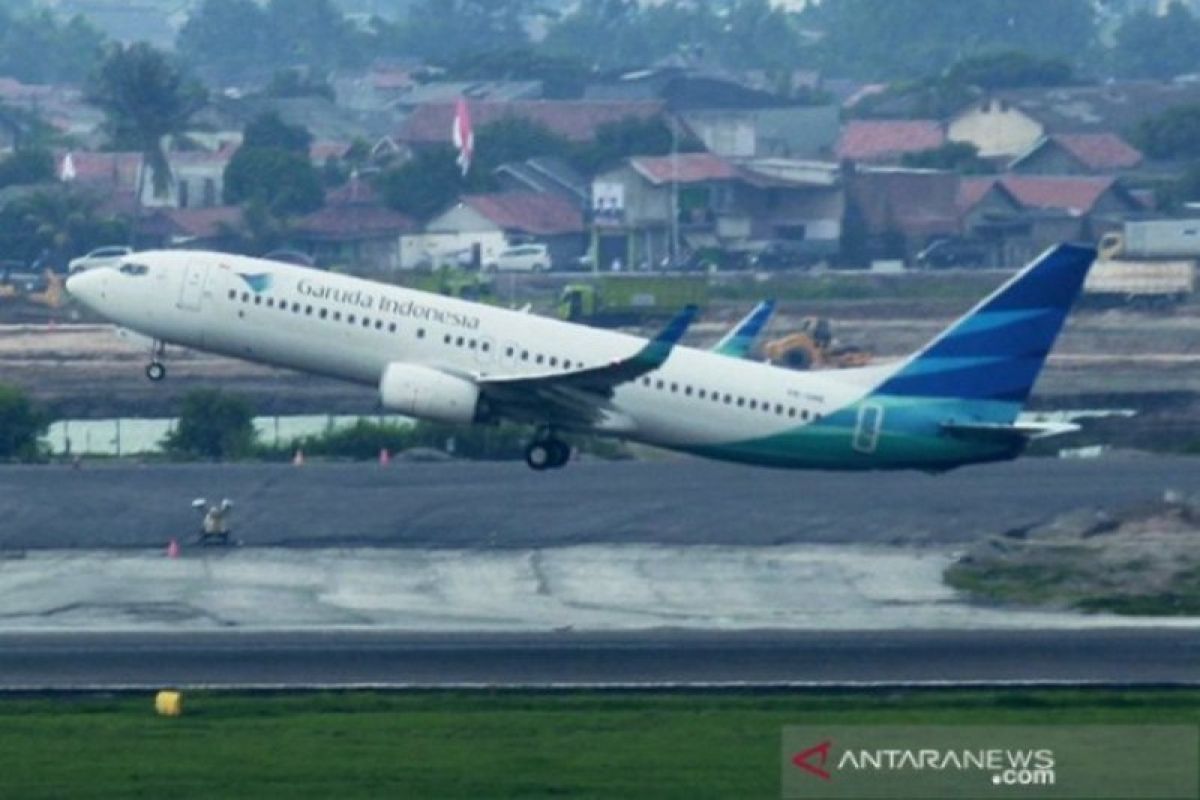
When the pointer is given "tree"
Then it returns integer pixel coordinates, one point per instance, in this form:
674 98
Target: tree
424 185
1009 69
632 136
269 130
897 39
24 167
213 424
1186 189
284 182
511 139
35 47
962 157
145 98
226 40
441 31
57 222
21 423
1175 133
311 34
1149 46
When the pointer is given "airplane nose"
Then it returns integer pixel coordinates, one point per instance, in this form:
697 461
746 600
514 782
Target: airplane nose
86 287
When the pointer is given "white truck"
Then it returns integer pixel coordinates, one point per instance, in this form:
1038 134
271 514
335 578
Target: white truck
1151 263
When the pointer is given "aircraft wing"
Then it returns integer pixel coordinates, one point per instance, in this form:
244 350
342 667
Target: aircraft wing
583 396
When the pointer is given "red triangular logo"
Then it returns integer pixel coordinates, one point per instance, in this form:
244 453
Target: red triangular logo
819 753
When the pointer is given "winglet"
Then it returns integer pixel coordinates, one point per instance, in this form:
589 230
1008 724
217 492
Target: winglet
656 351
740 340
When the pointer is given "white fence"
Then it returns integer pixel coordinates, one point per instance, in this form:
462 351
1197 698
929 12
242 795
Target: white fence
132 436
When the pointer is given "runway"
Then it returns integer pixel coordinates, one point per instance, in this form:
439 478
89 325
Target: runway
505 505
750 659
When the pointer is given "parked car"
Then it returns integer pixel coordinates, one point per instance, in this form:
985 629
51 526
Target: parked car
781 255
100 257
520 258
291 257
947 253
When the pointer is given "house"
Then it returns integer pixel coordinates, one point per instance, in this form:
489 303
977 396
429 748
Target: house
194 228
197 180
1024 215
546 174
1007 124
701 201
731 119
893 212
1077 154
804 132
479 226
574 120
354 230
886 140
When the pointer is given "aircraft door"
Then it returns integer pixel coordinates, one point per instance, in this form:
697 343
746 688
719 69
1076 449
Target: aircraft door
870 422
191 291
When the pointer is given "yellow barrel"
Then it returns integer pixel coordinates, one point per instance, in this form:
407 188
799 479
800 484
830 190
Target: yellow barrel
168 704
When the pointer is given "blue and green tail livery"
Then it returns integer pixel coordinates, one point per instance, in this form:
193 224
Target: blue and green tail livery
992 356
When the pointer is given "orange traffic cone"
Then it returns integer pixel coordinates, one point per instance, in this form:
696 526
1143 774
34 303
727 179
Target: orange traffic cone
385 457
173 549
298 459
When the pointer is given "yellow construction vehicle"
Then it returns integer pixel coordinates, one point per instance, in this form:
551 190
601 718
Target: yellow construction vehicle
813 347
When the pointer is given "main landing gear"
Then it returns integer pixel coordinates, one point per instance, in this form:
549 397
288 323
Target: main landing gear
156 370
547 452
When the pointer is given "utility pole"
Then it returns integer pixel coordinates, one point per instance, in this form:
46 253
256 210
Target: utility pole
674 250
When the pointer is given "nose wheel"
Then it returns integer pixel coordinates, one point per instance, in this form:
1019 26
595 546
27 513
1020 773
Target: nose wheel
547 453
156 370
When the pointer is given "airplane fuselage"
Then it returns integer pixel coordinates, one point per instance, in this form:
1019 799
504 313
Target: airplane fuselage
353 329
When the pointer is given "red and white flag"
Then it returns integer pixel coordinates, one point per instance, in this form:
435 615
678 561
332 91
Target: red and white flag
464 137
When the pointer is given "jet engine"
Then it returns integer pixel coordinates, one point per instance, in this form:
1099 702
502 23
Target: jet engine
428 394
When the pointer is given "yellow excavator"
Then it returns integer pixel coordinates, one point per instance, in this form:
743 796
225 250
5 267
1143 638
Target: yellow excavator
813 347
44 290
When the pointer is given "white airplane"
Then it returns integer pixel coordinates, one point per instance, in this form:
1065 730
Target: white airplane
956 401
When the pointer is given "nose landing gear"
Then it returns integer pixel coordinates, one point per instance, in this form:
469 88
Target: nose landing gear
156 370
547 451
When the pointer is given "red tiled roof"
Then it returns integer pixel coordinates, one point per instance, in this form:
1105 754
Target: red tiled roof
353 191
529 212
574 120
350 222
685 168
197 223
1076 195
112 169
881 139
320 152
1100 151
972 190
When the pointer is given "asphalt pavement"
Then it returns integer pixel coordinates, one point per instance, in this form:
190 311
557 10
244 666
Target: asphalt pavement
1110 657
505 505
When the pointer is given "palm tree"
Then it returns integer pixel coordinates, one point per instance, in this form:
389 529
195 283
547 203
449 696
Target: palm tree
145 98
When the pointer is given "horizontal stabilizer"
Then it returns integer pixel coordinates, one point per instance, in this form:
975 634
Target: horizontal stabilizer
1020 432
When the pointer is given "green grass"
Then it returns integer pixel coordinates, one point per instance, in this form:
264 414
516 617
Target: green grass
478 745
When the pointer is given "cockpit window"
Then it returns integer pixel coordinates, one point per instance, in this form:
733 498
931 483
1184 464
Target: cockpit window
129 268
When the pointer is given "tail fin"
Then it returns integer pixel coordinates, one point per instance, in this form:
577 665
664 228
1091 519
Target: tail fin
995 352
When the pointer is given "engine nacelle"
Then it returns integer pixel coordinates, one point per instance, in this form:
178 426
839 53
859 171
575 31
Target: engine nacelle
428 394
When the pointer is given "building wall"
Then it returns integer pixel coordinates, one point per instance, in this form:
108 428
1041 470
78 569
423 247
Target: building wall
996 128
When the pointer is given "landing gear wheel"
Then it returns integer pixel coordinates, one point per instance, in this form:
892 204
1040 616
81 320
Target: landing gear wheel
560 453
155 371
539 456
